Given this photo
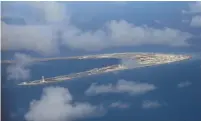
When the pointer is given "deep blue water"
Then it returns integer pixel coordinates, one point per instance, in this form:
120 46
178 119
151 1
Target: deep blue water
182 104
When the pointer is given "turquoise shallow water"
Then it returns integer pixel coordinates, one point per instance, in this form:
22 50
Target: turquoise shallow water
182 104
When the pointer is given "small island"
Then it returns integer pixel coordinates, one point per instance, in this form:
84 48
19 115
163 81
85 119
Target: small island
142 60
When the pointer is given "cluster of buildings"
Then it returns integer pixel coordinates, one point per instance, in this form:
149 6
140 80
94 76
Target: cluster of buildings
161 58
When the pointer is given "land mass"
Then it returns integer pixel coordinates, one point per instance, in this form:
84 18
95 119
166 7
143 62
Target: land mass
142 60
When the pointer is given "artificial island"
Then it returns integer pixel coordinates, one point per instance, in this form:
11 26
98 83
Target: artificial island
142 60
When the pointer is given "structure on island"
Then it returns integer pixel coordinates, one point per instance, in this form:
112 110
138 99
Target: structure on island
43 79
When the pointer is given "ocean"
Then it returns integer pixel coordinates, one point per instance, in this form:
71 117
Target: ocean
181 104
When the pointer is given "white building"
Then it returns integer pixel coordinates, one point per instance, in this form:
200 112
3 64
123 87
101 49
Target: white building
43 80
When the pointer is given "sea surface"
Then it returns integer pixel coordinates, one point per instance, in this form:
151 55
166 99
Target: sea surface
181 104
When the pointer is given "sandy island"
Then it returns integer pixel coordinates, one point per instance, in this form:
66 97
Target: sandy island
144 60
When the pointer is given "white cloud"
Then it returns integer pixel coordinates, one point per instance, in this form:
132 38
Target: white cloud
36 38
54 12
123 33
19 70
48 12
184 84
122 86
194 7
150 104
41 34
196 21
56 104
75 38
119 104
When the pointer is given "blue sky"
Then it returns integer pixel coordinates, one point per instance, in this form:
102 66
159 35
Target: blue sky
50 28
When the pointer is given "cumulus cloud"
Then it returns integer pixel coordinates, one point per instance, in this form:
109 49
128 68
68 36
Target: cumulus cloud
119 104
194 7
75 38
20 70
184 84
196 21
53 12
122 86
34 36
123 34
126 34
42 12
150 104
49 26
30 37
56 104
